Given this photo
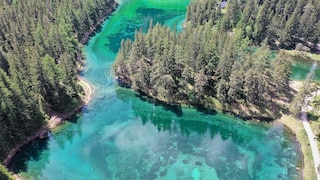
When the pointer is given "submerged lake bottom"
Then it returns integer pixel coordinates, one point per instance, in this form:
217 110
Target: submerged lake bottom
120 135
135 139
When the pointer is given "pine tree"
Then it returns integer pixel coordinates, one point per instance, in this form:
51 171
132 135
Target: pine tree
282 72
292 26
236 83
262 23
222 91
308 22
290 30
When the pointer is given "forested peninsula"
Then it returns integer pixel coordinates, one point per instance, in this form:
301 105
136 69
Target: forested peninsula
223 58
39 58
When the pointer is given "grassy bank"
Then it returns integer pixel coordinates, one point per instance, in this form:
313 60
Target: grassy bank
314 117
297 128
5 174
315 126
308 55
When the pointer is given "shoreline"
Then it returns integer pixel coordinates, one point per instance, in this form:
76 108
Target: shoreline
295 127
88 89
232 111
39 134
56 119
294 132
297 130
91 32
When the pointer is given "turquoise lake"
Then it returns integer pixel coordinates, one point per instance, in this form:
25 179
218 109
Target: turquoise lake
120 135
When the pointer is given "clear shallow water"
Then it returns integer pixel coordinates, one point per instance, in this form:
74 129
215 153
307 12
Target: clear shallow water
123 136
301 69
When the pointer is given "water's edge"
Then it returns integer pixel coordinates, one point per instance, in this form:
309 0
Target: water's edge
139 109
42 133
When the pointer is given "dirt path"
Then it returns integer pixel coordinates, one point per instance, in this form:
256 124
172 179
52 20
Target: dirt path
313 145
304 118
311 136
88 88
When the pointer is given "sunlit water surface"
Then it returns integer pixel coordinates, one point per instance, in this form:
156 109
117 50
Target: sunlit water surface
123 136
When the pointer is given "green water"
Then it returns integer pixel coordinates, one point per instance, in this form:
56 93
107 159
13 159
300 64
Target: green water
301 69
123 136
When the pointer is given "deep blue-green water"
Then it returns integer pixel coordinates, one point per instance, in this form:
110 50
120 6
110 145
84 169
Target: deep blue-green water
120 135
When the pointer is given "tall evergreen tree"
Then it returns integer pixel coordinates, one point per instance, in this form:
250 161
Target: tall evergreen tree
39 41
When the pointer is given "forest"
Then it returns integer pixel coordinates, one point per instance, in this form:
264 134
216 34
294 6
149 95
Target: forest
280 23
39 58
223 58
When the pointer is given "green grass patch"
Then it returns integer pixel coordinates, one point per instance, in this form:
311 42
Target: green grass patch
314 118
5 174
315 103
301 135
315 126
314 56
190 87
304 55
216 104
317 98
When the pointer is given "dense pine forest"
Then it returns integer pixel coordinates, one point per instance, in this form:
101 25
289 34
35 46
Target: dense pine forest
279 22
222 60
39 49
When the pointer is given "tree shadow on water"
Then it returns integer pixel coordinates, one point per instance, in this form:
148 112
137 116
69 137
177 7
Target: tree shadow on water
32 151
204 109
174 108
